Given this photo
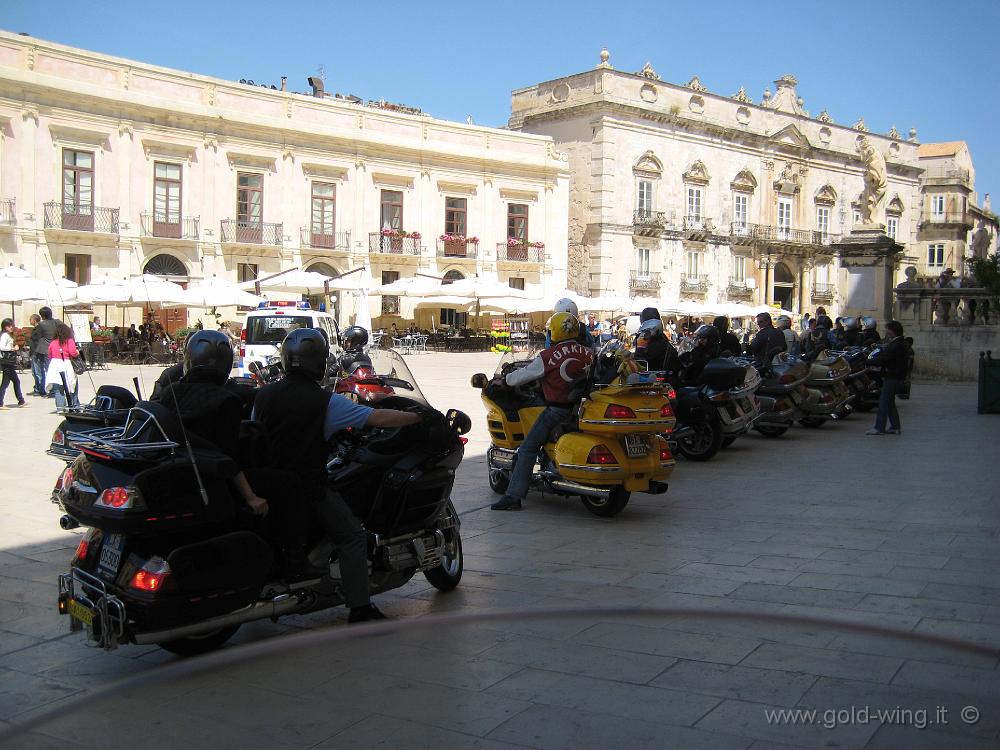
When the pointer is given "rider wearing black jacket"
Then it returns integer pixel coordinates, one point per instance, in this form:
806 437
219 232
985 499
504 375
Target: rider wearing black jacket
768 341
706 348
728 341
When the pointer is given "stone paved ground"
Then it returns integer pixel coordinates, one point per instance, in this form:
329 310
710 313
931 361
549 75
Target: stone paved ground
828 523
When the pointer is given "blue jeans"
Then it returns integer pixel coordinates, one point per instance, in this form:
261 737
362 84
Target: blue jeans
60 396
39 364
538 435
887 405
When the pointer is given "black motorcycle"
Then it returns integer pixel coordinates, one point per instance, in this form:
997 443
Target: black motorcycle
170 558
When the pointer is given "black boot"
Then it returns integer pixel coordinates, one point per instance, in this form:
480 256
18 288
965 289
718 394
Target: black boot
367 613
298 568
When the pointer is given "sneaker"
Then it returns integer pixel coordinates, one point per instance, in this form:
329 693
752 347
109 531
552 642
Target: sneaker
894 431
506 503
873 431
23 403
367 613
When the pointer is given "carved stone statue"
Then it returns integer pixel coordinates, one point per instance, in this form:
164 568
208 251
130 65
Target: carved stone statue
981 239
875 181
911 279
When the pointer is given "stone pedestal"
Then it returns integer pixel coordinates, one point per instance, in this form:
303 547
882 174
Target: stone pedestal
868 258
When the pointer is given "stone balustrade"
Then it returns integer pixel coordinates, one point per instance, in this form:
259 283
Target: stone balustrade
946 307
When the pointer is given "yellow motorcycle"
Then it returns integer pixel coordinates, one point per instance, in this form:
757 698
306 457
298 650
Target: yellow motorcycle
610 448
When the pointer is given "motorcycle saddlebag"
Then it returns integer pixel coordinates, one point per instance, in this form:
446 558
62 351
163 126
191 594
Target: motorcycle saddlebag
409 503
722 374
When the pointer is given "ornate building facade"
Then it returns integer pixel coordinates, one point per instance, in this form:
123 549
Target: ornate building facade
680 193
110 166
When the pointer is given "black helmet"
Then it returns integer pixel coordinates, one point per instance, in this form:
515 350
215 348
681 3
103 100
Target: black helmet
709 334
209 351
305 350
355 337
851 324
649 313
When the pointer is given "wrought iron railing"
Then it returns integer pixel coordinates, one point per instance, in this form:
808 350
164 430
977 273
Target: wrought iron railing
649 219
188 228
696 223
325 240
520 253
251 232
81 218
7 213
694 283
457 248
768 233
390 305
381 243
644 282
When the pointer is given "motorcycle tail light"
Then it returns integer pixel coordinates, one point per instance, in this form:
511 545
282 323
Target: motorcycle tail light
81 550
665 453
666 411
57 437
65 479
120 498
671 393
617 411
151 576
600 454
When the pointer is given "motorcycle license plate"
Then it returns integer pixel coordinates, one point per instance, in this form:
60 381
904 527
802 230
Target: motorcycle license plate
111 554
79 612
636 446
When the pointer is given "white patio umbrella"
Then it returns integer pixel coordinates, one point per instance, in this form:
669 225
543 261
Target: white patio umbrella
216 292
415 286
516 306
473 288
61 292
18 285
300 282
105 290
444 300
149 290
612 302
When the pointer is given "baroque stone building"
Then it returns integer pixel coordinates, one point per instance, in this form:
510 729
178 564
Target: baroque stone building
111 166
680 193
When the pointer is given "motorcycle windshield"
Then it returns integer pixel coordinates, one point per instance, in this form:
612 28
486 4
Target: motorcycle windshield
510 359
393 370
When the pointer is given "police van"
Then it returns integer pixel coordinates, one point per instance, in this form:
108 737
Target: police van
266 327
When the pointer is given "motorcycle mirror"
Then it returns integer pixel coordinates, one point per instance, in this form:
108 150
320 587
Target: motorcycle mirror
459 421
479 380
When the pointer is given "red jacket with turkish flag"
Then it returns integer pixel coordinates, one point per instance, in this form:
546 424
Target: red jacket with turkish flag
560 368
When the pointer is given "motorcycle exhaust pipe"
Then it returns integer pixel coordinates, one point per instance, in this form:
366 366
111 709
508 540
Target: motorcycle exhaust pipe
258 611
564 485
67 523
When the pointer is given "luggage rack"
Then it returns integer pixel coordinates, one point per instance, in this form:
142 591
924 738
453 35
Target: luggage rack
121 442
108 611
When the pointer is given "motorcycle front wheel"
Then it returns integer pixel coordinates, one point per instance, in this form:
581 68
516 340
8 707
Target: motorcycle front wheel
446 576
499 479
812 421
772 431
614 504
704 443
196 645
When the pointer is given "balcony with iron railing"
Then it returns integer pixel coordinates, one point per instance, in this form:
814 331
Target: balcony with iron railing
186 228
325 240
238 232
649 221
946 218
762 233
520 253
823 291
8 216
390 304
81 218
644 282
394 244
694 283
458 248
738 287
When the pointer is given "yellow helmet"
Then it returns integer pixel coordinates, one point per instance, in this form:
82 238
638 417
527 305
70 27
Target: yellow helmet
563 326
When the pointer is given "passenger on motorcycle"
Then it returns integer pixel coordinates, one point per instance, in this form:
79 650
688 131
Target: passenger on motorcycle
729 343
560 368
355 340
869 332
768 341
852 332
211 415
784 324
706 348
653 348
300 418
566 305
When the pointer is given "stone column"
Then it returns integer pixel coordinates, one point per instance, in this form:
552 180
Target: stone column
869 257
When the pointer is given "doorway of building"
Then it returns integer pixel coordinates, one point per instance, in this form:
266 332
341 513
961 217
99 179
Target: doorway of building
784 286
321 301
172 269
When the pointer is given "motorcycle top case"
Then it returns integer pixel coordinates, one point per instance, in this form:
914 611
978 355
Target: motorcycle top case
722 374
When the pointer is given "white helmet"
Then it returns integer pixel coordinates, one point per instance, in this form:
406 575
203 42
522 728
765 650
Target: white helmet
652 328
566 305
783 322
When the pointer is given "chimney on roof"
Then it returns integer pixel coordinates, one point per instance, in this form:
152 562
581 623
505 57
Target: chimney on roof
986 203
284 83
317 86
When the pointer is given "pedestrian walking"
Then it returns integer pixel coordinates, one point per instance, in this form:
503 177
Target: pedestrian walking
61 353
41 336
894 360
8 359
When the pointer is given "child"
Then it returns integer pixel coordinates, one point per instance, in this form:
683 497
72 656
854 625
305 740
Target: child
8 357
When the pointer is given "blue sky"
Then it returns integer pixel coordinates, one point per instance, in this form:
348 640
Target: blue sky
929 65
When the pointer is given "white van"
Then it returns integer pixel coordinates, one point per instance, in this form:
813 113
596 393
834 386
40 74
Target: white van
266 327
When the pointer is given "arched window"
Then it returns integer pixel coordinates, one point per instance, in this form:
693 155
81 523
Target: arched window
782 275
324 268
165 265
451 276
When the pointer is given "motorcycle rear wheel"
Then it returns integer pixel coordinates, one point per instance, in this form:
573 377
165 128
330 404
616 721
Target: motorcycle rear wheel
812 421
499 479
614 505
196 645
446 576
772 431
705 443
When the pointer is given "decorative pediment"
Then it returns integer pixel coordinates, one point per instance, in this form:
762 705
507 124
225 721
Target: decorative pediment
648 72
788 181
62 134
383 179
523 196
826 196
251 161
328 171
648 166
824 116
742 96
895 206
169 150
744 182
785 98
456 188
856 203
697 173
695 84
790 136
